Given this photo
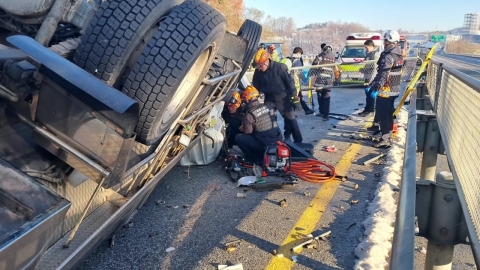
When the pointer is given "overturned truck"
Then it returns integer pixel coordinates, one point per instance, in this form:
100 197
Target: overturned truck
98 101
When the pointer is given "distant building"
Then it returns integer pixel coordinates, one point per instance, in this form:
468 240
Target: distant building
471 23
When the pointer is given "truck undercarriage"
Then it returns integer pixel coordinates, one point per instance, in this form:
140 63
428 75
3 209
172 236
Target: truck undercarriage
91 123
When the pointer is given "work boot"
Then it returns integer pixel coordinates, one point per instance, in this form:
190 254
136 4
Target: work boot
309 111
287 138
366 114
362 113
383 143
373 128
325 117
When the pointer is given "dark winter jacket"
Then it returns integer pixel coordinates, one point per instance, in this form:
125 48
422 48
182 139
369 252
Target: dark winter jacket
275 81
389 67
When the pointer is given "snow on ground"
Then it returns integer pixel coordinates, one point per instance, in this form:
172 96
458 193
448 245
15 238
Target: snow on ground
373 252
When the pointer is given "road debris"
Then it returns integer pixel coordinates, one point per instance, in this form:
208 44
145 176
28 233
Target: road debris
351 225
330 149
353 201
306 194
422 250
374 159
283 203
170 249
311 240
356 187
231 267
160 202
241 194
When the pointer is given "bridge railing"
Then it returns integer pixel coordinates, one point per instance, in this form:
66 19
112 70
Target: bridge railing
446 206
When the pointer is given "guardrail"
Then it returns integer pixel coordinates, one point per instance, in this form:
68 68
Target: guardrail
447 213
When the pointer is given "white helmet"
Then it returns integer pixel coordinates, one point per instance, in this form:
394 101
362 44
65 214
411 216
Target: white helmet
391 36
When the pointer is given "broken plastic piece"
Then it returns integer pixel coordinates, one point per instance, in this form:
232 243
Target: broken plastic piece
231 267
246 181
330 149
170 249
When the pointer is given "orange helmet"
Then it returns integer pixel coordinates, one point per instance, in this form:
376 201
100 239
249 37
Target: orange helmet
250 93
235 101
261 56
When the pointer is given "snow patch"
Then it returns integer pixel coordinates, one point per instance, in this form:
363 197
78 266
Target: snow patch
374 250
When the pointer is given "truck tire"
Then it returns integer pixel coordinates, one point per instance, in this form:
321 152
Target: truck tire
251 31
117 35
173 65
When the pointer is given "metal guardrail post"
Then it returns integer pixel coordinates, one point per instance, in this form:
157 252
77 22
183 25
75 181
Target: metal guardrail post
430 154
443 231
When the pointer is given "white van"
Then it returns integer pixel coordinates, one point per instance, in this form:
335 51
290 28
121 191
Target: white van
354 50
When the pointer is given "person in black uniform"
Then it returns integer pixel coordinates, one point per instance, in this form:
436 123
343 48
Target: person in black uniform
232 114
323 96
259 127
386 85
274 80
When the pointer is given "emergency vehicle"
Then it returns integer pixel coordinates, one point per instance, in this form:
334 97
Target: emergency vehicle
404 45
354 50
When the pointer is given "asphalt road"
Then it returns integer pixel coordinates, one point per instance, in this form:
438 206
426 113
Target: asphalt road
201 212
195 210
467 65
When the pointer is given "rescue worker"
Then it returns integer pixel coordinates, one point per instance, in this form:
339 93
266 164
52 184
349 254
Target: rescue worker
232 115
296 78
386 85
260 46
323 96
273 79
368 75
274 53
259 127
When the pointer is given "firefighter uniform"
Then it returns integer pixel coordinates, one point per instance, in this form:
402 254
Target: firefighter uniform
259 130
386 88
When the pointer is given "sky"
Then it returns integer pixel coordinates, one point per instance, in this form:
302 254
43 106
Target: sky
411 15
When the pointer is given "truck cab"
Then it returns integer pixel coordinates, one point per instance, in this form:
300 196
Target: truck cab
354 50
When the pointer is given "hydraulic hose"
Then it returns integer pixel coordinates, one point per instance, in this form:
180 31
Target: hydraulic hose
312 170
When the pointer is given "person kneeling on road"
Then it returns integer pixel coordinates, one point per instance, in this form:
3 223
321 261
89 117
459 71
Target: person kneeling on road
386 85
272 79
232 114
259 127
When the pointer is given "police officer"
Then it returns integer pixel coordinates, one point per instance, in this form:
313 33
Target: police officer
232 115
386 85
323 96
272 79
259 126
368 73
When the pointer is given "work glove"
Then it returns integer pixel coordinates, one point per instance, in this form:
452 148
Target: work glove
374 94
367 89
296 103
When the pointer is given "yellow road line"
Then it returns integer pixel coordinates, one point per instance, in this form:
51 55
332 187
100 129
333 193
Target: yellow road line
309 219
